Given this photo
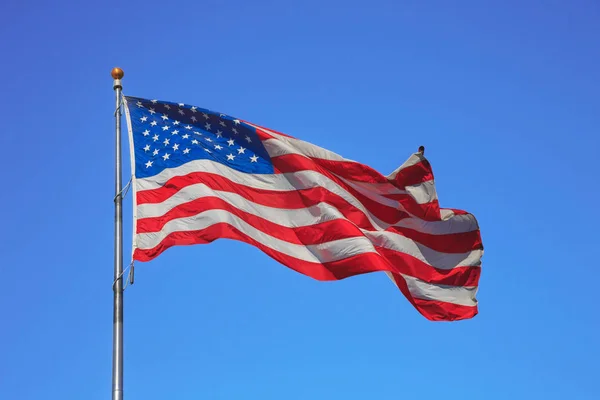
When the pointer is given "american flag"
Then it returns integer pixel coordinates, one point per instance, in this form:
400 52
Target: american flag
201 175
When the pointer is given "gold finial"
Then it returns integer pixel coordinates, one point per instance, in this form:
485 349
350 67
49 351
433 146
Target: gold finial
117 73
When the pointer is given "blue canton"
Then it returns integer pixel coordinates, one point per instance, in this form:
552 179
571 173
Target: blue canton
167 135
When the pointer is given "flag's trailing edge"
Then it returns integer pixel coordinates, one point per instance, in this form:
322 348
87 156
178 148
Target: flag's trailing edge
201 175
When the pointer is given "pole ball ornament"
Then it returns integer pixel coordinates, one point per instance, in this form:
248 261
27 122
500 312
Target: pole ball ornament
117 73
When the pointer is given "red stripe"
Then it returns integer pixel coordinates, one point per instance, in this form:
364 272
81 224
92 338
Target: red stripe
293 199
293 163
435 310
320 233
348 169
300 198
413 175
460 242
429 211
449 243
359 264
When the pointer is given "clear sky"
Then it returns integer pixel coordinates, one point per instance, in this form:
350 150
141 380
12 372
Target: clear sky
503 94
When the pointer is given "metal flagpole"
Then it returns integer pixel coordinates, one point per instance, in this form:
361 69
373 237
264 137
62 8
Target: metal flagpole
117 369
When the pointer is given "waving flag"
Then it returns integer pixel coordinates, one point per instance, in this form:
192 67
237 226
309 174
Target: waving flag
201 175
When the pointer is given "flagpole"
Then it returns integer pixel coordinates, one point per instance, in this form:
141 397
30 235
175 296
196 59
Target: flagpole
117 367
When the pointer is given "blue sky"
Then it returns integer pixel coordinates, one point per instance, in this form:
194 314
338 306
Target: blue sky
503 94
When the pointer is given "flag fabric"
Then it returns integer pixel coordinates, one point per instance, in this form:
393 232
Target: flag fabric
200 175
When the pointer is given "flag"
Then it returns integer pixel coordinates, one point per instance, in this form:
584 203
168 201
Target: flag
200 175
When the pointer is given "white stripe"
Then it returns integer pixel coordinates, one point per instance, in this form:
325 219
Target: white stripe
283 146
437 259
320 253
372 195
422 193
455 224
286 217
291 181
297 146
446 214
301 180
373 191
316 214
275 182
302 147
461 295
384 188
329 251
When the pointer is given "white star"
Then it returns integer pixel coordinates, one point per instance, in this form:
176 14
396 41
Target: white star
207 150
149 164
175 147
153 101
248 138
197 133
166 156
208 139
153 123
181 112
147 147
237 121
186 136
166 142
144 119
176 123
230 142
175 132
207 126
234 131
139 104
219 134
165 128
168 107
188 127
186 150
217 147
230 157
155 137
155 152
146 132
181 104
195 141
222 123
164 117
152 111
205 115
241 150
194 118
253 159
194 109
